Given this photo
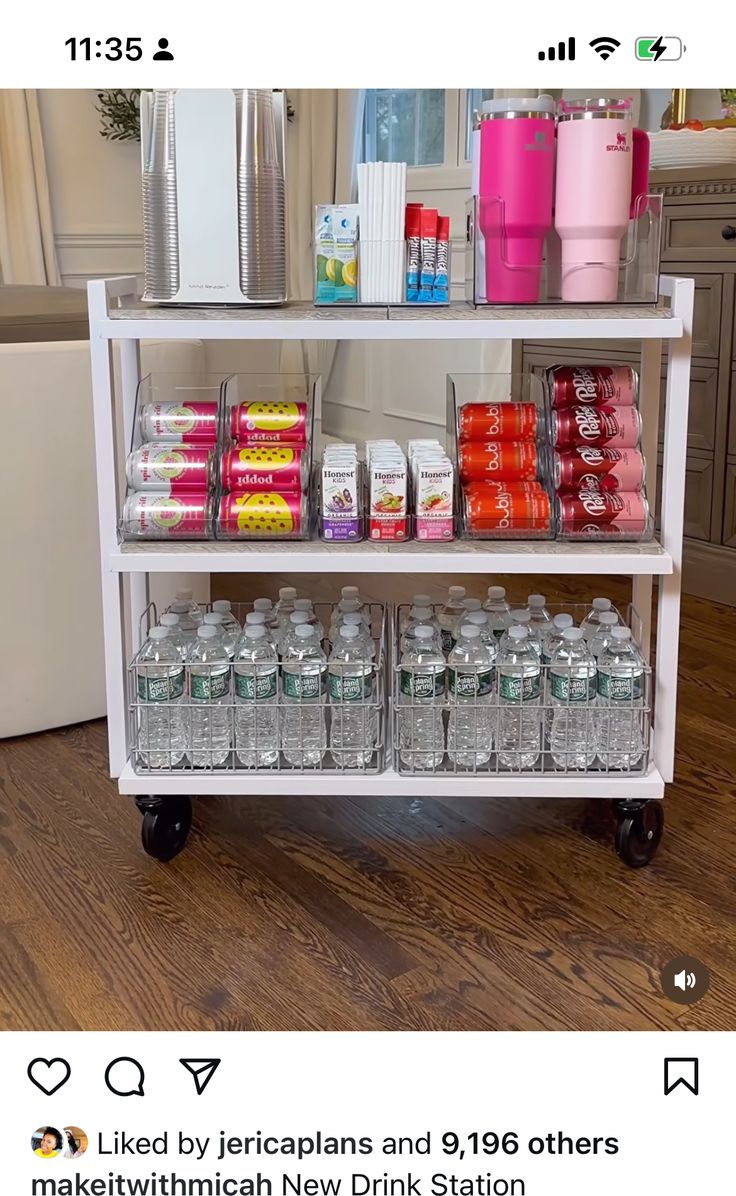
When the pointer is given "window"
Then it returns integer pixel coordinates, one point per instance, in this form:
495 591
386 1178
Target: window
476 96
405 125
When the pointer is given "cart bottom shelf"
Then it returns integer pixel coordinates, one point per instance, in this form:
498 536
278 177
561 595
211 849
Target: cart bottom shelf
389 783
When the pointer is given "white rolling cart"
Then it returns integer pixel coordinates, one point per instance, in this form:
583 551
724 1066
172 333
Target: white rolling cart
165 799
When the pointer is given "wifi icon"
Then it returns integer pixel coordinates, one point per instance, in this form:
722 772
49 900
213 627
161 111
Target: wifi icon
604 46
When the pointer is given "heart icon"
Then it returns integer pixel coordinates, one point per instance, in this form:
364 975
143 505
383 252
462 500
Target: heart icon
49 1074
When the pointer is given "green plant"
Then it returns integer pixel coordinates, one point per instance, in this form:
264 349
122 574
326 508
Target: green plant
120 116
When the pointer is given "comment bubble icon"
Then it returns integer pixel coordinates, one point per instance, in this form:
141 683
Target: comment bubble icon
125 1077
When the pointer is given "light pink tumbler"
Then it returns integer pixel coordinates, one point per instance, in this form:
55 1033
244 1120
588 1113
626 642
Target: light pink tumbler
516 183
602 181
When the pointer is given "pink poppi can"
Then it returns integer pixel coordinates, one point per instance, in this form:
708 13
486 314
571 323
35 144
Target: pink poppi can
593 385
170 468
167 517
263 515
184 423
604 468
266 421
265 467
594 514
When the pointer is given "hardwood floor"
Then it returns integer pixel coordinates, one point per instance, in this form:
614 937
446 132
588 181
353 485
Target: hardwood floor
288 913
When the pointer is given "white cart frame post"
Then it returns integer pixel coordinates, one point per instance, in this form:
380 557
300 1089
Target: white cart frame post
116 318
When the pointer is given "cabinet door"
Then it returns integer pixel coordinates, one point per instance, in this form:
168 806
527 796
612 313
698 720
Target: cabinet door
698 495
707 315
699 233
701 420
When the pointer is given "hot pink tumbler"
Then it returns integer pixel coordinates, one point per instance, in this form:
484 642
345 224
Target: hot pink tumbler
517 162
602 173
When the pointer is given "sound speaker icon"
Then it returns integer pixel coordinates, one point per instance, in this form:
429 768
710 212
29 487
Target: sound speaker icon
685 980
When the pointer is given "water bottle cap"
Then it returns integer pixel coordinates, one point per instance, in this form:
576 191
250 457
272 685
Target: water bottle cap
608 618
621 633
159 633
206 631
264 604
422 600
184 596
298 618
303 604
304 630
562 621
214 618
518 633
350 592
256 631
601 604
477 618
224 605
455 593
496 593
349 631
424 633
536 601
521 617
255 618
169 620
287 593
572 634
471 604
542 103
470 631
351 619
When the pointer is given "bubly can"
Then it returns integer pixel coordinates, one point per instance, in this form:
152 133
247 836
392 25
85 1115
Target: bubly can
266 515
170 468
272 467
592 385
600 427
606 468
593 514
505 512
167 517
264 421
502 460
487 487
498 421
184 423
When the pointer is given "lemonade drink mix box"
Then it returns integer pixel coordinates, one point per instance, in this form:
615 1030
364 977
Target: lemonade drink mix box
324 253
345 270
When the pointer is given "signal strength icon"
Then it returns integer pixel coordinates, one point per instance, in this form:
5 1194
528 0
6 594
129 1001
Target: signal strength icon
604 46
559 53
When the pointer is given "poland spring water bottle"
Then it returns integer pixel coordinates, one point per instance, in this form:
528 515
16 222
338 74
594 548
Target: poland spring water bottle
550 643
620 702
224 607
479 619
448 616
607 620
518 669
522 618
421 701
304 678
419 616
176 636
499 612
256 685
422 602
590 622
470 676
209 695
536 604
353 713
216 619
160 713
572 695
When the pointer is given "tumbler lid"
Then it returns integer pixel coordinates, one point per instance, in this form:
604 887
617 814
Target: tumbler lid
514 106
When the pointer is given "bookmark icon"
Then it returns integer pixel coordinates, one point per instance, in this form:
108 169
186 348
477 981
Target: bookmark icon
201 1071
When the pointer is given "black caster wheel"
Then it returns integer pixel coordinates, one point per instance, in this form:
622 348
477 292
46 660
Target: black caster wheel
639 830
166 825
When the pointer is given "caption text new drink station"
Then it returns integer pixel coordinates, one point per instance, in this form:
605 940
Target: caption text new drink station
115 316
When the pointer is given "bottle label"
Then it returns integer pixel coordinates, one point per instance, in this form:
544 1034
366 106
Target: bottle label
448 640
470 685
572 689
161 689
422 685
208 687
350 689
254 687
621 689
306 687
519 689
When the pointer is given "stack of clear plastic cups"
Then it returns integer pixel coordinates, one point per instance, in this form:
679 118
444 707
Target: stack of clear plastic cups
160 223
261 199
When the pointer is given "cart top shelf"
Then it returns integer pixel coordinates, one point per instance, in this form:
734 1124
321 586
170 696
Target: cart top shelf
132 320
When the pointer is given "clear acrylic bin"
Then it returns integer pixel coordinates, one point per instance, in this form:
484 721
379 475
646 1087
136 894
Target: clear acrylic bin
481 514
170 761
637 271
410 720
381 277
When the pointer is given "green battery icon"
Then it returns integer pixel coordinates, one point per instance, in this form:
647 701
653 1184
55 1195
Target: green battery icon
659 49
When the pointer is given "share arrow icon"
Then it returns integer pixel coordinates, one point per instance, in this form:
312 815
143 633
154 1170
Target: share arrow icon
201 1071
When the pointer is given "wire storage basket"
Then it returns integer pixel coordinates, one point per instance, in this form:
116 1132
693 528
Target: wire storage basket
518 725
326 723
